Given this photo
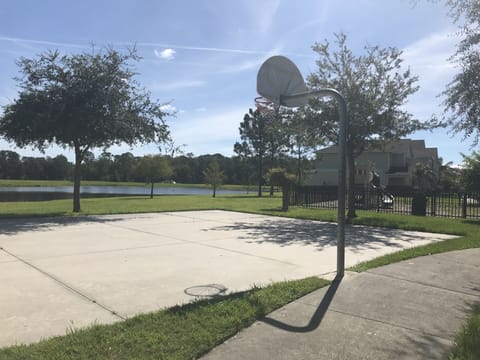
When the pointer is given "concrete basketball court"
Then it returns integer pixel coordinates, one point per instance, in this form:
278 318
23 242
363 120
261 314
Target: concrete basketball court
58 274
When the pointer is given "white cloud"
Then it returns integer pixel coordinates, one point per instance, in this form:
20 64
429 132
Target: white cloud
167 54
197 48
168 108
428 58
176 85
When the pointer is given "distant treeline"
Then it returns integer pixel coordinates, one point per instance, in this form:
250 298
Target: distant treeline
108 167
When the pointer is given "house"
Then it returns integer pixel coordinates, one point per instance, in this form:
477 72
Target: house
394 162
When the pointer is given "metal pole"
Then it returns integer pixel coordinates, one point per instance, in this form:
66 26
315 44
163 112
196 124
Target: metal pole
342 144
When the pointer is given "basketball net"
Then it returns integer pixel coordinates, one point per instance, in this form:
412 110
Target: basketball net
264 105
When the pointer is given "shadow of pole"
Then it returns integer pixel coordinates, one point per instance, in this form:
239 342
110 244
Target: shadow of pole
317 317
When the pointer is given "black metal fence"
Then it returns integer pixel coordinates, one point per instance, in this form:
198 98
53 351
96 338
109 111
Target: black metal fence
452 205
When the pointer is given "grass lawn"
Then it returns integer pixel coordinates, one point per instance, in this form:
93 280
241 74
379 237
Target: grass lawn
181 332
467 341
144 333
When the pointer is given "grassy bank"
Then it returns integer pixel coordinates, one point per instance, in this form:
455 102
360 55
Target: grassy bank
182 332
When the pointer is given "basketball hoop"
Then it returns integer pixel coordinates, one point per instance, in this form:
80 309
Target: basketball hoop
264 105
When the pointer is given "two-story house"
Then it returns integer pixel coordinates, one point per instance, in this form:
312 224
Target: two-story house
394 162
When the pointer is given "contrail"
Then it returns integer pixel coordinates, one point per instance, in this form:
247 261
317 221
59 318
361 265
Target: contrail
145 44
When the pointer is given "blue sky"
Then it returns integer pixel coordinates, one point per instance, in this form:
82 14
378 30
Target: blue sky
202 56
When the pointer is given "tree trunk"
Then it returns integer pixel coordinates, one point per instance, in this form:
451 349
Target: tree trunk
214 190
272 161
76 179
351 184
285 197
299 167
151 191
260 171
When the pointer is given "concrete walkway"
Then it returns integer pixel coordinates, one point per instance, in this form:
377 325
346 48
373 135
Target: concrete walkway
62 273
407 310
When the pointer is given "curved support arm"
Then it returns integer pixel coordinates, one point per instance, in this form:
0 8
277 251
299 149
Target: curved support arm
342 144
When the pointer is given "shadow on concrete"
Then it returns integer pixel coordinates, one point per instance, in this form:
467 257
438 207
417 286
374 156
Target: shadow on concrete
21 225
285 232
438 342
416 345
317 316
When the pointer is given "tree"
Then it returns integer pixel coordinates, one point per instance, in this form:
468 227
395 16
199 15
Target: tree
59 168
82 101
280 177
124 167
304 139
449 179
213 176
11 167
253 132
276 134
103 167
462 95
35 168
152 169
470 178
375 86
263 136
424 178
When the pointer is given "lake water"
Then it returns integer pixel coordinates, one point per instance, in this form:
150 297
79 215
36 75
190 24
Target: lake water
36 193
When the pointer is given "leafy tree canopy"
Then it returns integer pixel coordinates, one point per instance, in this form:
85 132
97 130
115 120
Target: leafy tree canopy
375 85
471 172
462 95
154 168
213 176
82 101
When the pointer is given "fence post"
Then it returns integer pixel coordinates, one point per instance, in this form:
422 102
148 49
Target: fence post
464 206
378 201
433 204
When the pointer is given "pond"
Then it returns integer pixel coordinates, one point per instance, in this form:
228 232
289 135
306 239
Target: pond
37 193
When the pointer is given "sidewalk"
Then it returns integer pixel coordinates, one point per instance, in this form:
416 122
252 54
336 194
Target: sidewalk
407 310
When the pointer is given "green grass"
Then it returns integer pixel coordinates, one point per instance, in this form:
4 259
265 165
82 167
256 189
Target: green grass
467 230
181 332
467 341
138 204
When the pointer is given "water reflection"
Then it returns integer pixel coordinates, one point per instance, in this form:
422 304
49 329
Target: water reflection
33 193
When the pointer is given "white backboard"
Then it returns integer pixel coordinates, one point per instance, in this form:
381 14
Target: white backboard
278 76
